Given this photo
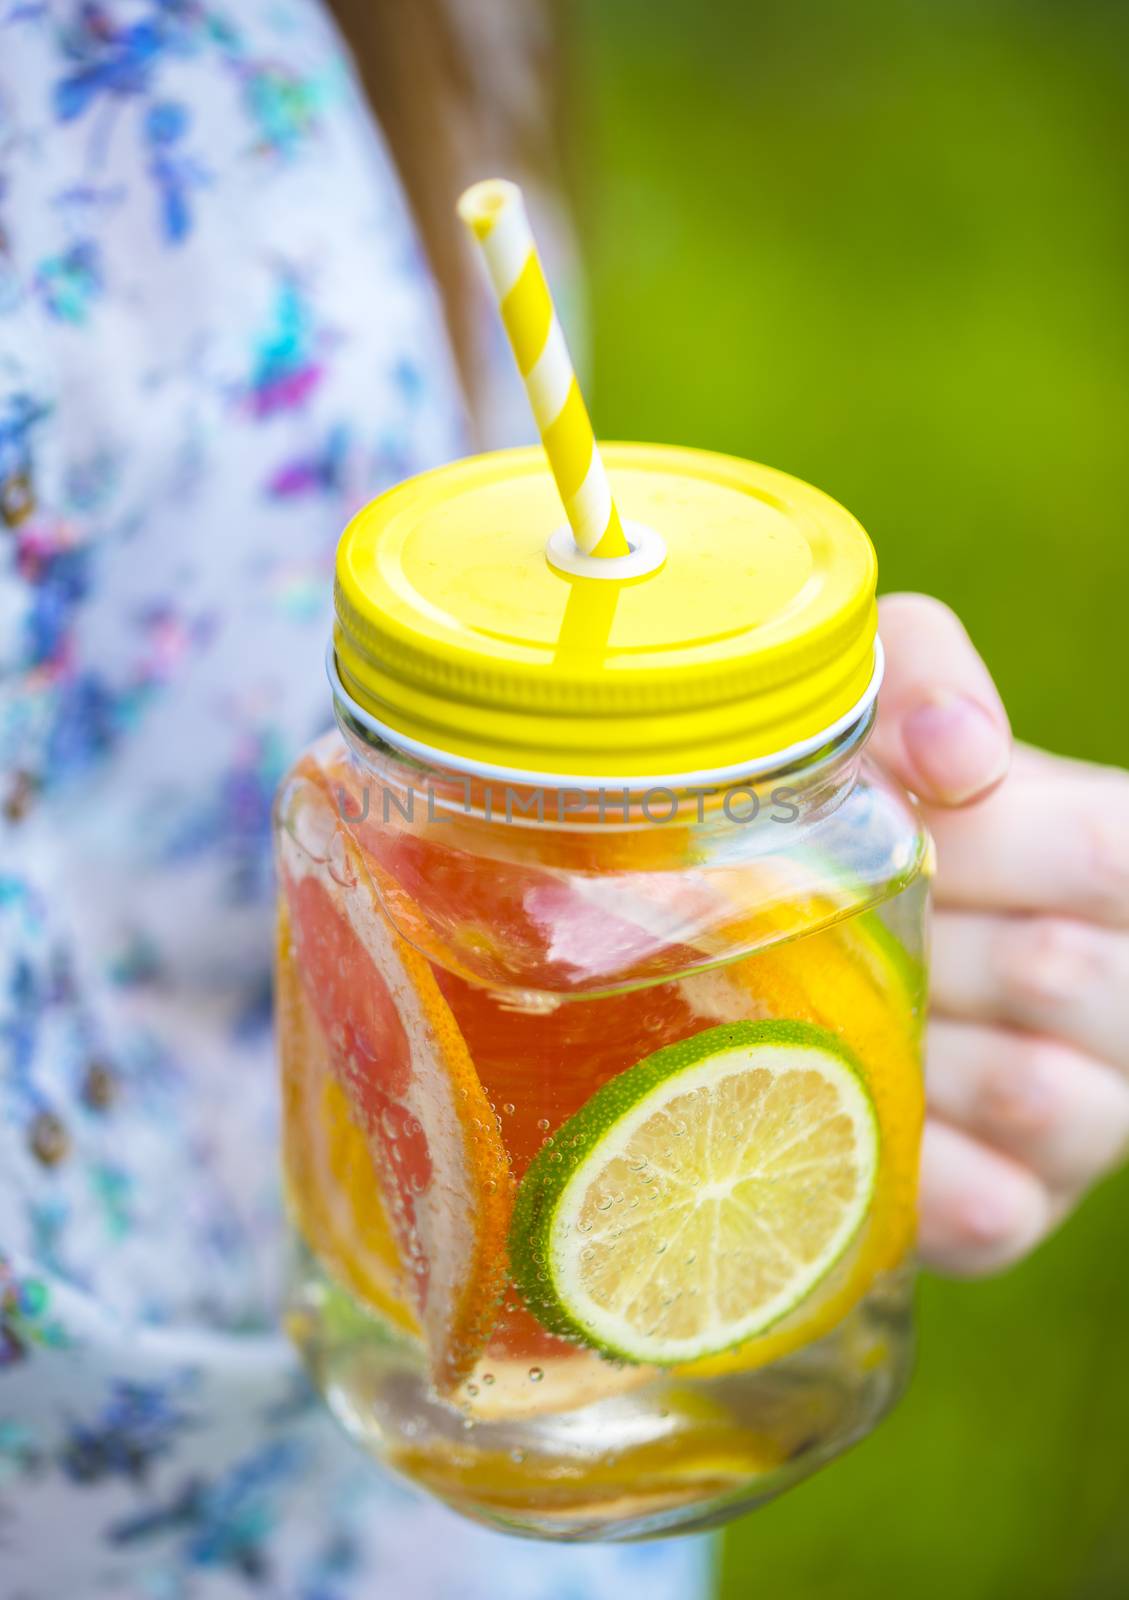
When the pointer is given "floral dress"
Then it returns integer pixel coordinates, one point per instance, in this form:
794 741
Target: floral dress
217 338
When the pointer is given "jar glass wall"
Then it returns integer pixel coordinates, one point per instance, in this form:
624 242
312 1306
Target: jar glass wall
602 1115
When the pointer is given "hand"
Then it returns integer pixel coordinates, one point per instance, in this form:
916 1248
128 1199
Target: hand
1027 1054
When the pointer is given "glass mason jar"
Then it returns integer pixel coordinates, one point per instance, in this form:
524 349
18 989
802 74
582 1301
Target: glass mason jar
602 1094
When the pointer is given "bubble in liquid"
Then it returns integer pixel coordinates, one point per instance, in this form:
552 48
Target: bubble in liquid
472 1389
517 1457
543 1124
536 1374
509 1108
604 1203
488 1378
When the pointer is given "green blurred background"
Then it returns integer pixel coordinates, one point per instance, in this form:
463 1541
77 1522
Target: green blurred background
886 246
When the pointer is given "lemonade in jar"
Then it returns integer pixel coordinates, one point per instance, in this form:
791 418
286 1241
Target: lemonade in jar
600 986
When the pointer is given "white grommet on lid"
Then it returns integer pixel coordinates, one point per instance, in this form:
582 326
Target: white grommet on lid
647 554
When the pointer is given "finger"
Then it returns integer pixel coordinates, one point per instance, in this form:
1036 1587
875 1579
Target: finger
941 728
1028 761
1059 1112
980 1211
1048 845
1051 975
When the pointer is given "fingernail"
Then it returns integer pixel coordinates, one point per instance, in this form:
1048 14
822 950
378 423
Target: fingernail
956 746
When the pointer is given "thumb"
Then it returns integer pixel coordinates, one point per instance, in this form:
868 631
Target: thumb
942 728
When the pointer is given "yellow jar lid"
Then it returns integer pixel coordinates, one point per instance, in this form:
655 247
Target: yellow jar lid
456 632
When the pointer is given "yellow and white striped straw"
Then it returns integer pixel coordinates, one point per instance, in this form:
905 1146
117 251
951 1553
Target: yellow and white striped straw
494 211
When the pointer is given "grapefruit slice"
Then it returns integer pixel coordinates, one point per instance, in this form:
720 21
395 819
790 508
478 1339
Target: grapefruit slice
397 1054
332 1188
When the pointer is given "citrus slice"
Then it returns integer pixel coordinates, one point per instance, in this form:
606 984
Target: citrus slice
332 1188
565 1383
858 981
560 1488
400 1059
701 1195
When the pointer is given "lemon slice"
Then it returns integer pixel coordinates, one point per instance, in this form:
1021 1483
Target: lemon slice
701 1195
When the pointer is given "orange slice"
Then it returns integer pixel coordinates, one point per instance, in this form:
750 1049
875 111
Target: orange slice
399 1057
636 1481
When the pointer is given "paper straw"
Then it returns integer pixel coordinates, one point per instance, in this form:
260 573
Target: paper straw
495 214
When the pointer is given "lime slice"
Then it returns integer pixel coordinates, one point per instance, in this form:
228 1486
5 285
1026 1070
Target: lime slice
869 991
699 1196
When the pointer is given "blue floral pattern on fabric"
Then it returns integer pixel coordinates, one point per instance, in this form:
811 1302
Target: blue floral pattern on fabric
217 339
